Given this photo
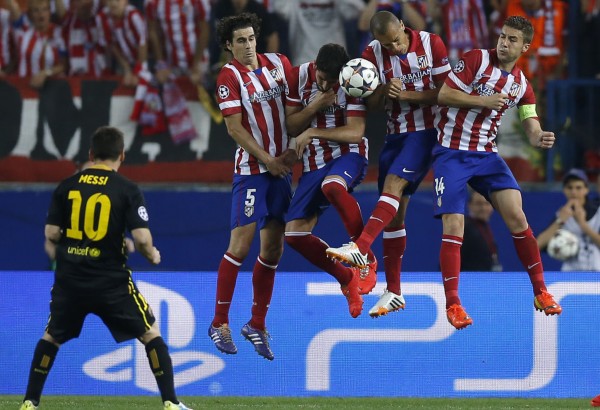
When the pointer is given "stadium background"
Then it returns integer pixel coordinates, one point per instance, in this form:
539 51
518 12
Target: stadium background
511 351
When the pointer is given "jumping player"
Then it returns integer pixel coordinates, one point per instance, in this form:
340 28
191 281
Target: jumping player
481 87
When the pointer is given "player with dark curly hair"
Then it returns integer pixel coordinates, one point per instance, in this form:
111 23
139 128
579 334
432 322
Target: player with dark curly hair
251 91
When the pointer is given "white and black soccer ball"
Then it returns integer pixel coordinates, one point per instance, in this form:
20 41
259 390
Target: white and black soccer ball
359 78
563 245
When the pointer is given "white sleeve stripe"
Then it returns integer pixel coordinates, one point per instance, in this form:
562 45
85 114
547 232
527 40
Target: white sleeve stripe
229 104
459 83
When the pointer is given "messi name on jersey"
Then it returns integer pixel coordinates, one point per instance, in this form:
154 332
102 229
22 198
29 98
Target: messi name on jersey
92 179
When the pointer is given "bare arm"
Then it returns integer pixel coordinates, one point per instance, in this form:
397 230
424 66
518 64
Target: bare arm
246 141
142 238
52 234
411 16
364 20
427 97
351 133
457 98
297 119
579 215
14 9
538 137
544 237
196 74
61 10
154 42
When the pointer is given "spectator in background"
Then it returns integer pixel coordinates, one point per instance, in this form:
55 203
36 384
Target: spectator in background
178 36
123 33
479 251
580 216
312 23
7 17
546 58
464 26
41 49
81 33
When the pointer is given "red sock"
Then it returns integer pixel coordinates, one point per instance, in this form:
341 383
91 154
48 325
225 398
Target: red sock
529 254
394 245
382 215
313 249
450 265
346 206
226 278
263 280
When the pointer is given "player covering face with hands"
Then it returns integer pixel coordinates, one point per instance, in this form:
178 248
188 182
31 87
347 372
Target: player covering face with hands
330 141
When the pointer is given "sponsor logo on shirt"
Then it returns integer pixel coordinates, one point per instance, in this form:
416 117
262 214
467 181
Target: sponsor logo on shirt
414 77
270 94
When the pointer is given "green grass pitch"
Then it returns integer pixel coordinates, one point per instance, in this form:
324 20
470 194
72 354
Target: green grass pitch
284 403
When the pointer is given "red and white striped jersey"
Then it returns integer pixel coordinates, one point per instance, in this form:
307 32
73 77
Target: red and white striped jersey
475 129
303 88
178 22
85 54
5 38
38 51
127 33
260 97
425 63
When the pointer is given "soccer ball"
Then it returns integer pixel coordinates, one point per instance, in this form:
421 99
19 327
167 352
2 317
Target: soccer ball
359 78
563 245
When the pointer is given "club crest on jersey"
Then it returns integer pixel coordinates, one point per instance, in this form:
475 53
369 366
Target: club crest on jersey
276 74
223 92
515 89
423 62
248 210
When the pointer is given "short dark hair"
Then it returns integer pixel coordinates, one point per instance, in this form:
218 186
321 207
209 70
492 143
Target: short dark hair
107 144
331 59
226 26
521 24
381 21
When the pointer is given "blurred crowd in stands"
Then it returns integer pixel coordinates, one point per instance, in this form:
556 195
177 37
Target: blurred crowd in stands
154 41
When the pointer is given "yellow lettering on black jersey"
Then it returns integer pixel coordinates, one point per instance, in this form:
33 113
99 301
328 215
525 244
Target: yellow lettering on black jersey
92 179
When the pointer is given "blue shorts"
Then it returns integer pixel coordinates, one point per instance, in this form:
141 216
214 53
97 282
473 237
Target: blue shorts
259 198
485 172
309 200
407 155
